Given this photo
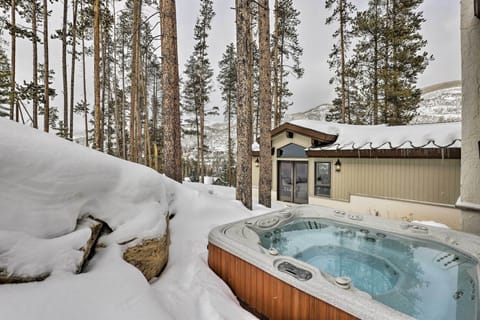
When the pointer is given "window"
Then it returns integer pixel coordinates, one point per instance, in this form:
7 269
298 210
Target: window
322 178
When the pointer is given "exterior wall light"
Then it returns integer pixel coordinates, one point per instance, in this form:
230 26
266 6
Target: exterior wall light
257 162
338 165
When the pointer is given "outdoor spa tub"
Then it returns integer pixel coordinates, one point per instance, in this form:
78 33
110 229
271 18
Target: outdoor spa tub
318 263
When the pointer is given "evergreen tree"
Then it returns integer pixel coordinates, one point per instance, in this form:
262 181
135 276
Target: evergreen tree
407 59
286 55
342 11
265 105
227 78
4 84
244 94
172 149
388 58
199 77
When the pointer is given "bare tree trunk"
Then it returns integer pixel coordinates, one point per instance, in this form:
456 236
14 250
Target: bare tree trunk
229 156
342 59
244 114
171 95
280 80
64 70
103 82
265 183
134 80
85 108
96 74
46 116
154 121
74 58
124 136
13 58
276 107
146 130
115 91
35 65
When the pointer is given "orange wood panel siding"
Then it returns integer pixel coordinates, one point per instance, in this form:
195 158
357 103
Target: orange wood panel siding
266 296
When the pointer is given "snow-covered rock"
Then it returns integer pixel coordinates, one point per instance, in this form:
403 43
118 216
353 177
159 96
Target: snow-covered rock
48 184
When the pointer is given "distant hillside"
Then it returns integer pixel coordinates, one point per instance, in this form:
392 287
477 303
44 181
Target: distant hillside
317 113
441 103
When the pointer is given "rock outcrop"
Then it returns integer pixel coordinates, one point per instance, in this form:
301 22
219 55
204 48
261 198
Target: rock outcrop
150 256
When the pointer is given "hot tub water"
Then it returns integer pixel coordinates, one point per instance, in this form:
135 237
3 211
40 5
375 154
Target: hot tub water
423 279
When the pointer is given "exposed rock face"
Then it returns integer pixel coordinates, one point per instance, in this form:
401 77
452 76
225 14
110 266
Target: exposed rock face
150 256
96 227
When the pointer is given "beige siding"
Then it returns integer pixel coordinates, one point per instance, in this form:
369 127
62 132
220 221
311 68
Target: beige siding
429 180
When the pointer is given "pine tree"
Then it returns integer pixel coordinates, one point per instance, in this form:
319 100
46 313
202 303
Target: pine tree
64 69
369 52
342 11
47 113
407 59
200 75
388 59
286 55
96 74
4 84
72 66
227 78
172 150
13 42
265 105
244 108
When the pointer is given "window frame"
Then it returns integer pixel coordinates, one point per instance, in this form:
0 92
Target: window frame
316 185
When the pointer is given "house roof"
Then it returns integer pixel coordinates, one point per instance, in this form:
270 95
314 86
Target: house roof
419 140
309 131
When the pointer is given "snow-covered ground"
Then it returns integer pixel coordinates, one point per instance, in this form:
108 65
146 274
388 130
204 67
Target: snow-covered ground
47 183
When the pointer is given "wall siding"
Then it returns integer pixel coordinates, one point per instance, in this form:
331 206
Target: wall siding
266 296
428 180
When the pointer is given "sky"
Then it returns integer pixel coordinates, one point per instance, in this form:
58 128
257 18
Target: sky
441 30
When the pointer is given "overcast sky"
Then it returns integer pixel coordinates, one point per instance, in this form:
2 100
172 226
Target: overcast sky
441 30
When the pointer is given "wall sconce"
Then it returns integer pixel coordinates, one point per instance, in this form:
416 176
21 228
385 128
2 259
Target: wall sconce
338 165
257 162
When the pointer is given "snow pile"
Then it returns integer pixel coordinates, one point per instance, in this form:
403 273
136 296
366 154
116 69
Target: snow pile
48 183
355 137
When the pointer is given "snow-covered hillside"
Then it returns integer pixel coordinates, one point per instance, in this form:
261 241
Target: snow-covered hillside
318 113
444 105
440 103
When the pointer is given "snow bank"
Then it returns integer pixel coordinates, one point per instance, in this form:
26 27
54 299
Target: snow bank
47 183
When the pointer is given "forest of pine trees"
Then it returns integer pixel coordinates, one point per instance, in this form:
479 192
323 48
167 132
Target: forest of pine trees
139 109
376 59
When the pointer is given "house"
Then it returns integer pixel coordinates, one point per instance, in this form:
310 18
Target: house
410 172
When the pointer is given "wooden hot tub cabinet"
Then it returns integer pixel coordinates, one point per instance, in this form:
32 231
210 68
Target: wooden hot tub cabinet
266 296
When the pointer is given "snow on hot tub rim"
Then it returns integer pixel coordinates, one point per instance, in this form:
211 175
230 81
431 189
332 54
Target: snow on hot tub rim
240 239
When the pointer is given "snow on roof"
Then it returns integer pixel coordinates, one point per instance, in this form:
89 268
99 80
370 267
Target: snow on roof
365 137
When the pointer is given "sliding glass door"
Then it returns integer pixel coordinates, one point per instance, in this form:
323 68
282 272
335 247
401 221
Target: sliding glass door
293 181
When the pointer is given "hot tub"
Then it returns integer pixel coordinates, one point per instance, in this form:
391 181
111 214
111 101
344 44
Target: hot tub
318 263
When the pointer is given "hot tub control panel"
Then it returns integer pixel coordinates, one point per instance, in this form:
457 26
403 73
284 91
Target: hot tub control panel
293 270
